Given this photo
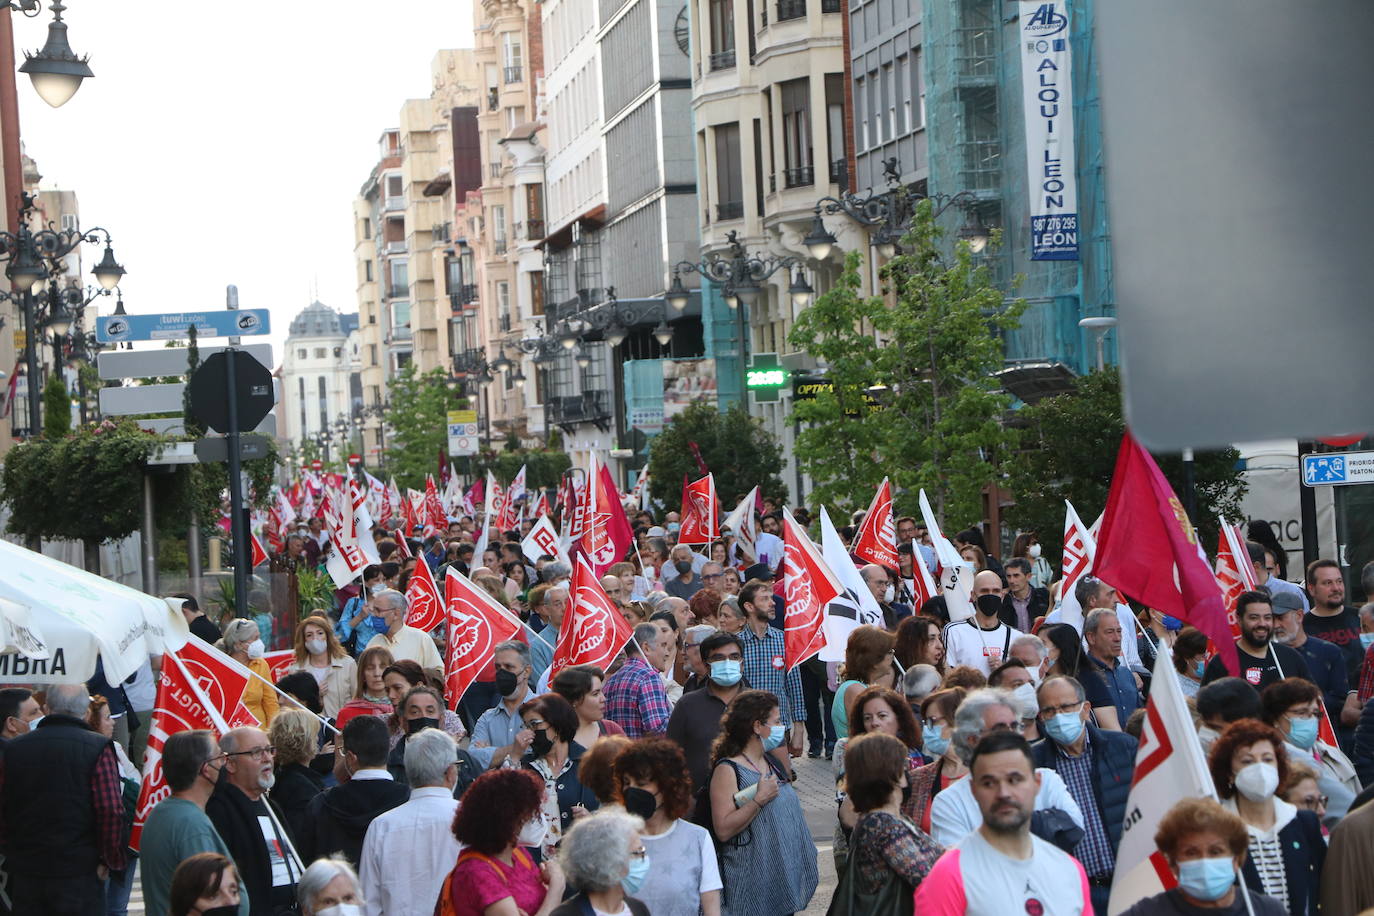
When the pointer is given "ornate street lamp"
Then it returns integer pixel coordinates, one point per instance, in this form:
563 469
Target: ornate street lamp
55 71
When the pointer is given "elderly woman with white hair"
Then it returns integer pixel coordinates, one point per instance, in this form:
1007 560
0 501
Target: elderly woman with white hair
243 642
604 859
329 887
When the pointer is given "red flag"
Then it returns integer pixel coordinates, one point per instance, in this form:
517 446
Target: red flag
877 539
608 535
412 518
476 624
696 454
700 520
426 609
196 691
541 508
434 507
1149 550
593 630
280 663
402 545
1231 574
259 555
810 587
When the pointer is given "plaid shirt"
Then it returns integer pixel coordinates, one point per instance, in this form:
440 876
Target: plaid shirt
635 699
1095 849
764 663
1366 688
107 803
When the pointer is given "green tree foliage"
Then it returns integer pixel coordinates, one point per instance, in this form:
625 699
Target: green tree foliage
194 428
1069 451
418 418
543 467
913 398
735 447
57 407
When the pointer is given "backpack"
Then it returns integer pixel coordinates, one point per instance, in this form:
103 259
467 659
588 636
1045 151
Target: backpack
701 805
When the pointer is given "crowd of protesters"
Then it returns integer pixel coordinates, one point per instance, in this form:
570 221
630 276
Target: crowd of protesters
981 766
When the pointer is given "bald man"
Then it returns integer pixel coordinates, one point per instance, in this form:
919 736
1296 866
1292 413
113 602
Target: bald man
251 824
984 640
614 588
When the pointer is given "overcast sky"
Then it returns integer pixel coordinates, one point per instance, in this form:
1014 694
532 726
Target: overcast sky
223 143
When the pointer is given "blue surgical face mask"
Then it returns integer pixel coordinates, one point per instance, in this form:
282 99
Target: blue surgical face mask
1207 879
1065 727
1172 623
639 870
726 673
1200 667
776 734
1303 732
377 623
933 742
1366 640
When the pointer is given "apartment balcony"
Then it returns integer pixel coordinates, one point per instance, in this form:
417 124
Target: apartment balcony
464 301
800 177
394 204
498 246
588 407
503 322
512 74
399 333
730 210
980 165
975 56
395 246
441 232
791 9
723 60
839 173
494 169
398 292
534 230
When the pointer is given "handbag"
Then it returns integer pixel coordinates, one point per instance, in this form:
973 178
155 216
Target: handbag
894 897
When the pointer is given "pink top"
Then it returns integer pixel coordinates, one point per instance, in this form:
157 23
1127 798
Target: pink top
479 881
973 879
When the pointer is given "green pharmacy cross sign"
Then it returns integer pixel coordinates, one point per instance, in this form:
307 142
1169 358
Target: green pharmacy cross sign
765 376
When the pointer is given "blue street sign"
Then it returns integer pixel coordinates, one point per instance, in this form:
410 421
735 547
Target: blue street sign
1335 468
176 326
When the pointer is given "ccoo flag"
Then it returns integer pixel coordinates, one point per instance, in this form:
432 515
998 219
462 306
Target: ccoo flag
700 524
1235 573
1169 767
607 537
1149 550
476 624
877 538
741 522
425 609
1080 549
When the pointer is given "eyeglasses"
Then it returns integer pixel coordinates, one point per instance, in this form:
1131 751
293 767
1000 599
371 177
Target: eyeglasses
535 723
1003 727
709 576
1050 711
257 753
1313 802
639 853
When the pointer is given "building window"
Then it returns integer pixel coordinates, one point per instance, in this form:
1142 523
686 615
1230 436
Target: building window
400 318
860 116
503 305
512 54
400 279
301 388
394 188
498 229
902 86
873 110
796 133
367 228
537 292
918 89
372 355
367 271
300 353
889 103
834 129
321 352
722 34
729 176
324 403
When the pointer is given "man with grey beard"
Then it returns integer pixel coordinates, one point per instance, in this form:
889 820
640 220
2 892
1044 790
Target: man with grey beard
251 826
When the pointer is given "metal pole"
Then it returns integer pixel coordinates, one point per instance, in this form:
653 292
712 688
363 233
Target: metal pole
31 364
239 528
193 554
149 537
743 355
1101 350
1189 485
1307 509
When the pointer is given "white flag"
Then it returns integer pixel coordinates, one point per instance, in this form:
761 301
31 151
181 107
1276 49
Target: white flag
517 488
1169 767
543 540
956 573
1080 552
346 559
855 607
741 522
482 536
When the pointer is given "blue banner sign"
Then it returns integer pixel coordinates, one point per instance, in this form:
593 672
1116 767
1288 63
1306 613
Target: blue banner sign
177 326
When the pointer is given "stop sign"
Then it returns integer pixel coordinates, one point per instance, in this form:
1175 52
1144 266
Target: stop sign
252 393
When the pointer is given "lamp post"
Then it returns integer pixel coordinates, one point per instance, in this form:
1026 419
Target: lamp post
891 211
740 276
379 410
1099 326
32 258
55 70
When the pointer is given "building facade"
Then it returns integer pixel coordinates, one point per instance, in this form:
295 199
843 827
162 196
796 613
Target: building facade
321 375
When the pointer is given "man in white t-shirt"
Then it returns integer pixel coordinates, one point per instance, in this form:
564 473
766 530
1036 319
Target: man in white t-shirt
983 641
1001 867
954 812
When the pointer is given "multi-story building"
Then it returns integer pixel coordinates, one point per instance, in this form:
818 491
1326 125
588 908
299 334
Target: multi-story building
321 373
771 118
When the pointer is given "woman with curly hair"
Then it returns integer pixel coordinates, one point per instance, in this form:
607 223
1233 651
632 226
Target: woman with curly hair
295 733
1286 848
705 606
768 859
597 770
652 783
494 874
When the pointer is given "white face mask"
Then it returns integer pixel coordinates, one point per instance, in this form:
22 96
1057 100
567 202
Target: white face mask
256 649
1034 551
1025 695
1257 781
534 831
341 909
315 646
888 594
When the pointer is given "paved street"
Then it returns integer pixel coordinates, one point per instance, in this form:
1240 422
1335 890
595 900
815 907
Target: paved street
817 789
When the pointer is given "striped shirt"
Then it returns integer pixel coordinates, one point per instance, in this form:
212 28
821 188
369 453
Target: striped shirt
1095 849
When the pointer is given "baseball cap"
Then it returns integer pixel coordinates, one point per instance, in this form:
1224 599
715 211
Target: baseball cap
758 571
1283 602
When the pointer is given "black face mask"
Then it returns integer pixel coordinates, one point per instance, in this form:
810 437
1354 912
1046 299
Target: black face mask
683 566
640 802
989 605
220 911
506 682
541 744
414 725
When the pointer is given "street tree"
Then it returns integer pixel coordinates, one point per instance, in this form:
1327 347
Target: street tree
911 393
57 406
733 445
1069 450
418 419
